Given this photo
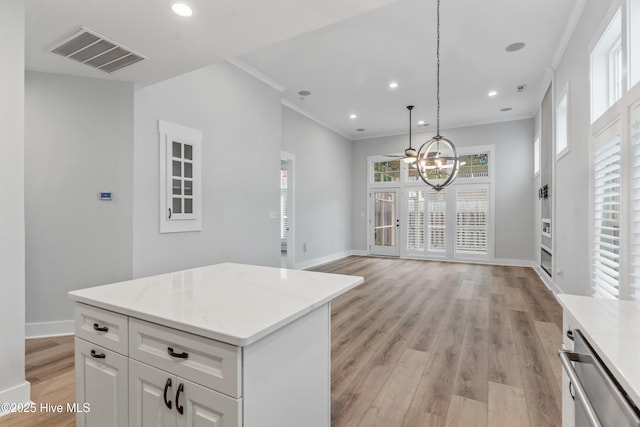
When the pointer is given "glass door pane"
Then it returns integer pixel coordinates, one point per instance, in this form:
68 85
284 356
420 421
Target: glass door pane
385 223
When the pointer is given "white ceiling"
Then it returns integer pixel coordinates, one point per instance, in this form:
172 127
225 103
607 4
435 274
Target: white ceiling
344 52
174 45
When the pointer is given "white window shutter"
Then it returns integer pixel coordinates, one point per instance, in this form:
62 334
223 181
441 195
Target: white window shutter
437 209
606 212
472 210
415 220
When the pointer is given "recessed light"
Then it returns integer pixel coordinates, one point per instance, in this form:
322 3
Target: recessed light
514 47
182 9
393 85
506 109
353 116
421 122
304 93
492 93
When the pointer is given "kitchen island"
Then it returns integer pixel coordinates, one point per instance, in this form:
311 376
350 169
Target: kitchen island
612 329
222 345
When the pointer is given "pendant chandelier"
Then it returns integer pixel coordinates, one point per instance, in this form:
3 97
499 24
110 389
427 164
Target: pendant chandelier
437 160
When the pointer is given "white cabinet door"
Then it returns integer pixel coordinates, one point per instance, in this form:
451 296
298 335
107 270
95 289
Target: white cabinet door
152 393
202 407
101 381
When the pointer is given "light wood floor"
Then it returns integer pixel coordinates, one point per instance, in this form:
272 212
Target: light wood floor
440 344
418 344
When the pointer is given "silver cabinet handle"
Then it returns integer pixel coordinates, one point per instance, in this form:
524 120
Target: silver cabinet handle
565 357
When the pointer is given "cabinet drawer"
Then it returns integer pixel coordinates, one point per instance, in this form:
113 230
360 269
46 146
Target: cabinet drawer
102 327
207 362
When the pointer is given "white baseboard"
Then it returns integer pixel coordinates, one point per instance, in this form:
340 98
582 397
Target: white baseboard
49 329
322 260
18 394
359 253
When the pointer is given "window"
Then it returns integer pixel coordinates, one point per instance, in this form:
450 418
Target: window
180 183
415 220
474 166
633 41
448 224
562 134
615 72
536 157
180 166
437 211
606 68
635 203
386 171
472 209
606 212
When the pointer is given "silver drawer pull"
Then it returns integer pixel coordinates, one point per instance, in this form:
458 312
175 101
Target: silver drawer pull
565 357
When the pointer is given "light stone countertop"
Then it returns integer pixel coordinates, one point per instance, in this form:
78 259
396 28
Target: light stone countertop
233 303
612 328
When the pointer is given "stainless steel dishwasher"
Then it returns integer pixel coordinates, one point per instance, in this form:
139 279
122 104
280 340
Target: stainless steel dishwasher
599 399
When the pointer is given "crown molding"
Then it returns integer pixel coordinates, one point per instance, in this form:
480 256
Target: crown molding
300 110
241 65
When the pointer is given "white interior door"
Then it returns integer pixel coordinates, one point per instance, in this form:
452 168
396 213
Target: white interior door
385 222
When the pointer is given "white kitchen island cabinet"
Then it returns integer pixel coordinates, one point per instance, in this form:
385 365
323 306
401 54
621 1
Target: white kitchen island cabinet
227 345
611 330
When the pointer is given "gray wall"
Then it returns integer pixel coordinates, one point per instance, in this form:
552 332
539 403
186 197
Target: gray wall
514 222
78 142
322 187
13 387
571 202
240 118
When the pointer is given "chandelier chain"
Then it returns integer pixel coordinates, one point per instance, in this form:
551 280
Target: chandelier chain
438 68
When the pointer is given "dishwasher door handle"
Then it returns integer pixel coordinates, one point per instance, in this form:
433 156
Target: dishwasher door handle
566 357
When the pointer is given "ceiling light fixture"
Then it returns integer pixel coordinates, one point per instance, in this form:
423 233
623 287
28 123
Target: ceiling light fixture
393 85
353 116
492 93
410 153
182 9
437 159
420 122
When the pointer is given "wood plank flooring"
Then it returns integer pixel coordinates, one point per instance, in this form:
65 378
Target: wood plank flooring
420 343
49 367
425 343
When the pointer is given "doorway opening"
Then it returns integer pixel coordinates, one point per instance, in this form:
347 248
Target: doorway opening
287 250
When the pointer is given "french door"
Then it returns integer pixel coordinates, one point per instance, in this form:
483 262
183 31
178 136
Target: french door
385 222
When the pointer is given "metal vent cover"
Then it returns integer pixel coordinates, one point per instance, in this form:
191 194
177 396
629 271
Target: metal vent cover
97 51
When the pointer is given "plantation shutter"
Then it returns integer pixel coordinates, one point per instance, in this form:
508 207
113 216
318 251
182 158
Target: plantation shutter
635 203
437 226
472 210
415 220
606 214
284 214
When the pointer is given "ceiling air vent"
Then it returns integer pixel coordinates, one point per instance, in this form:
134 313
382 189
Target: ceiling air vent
97 51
